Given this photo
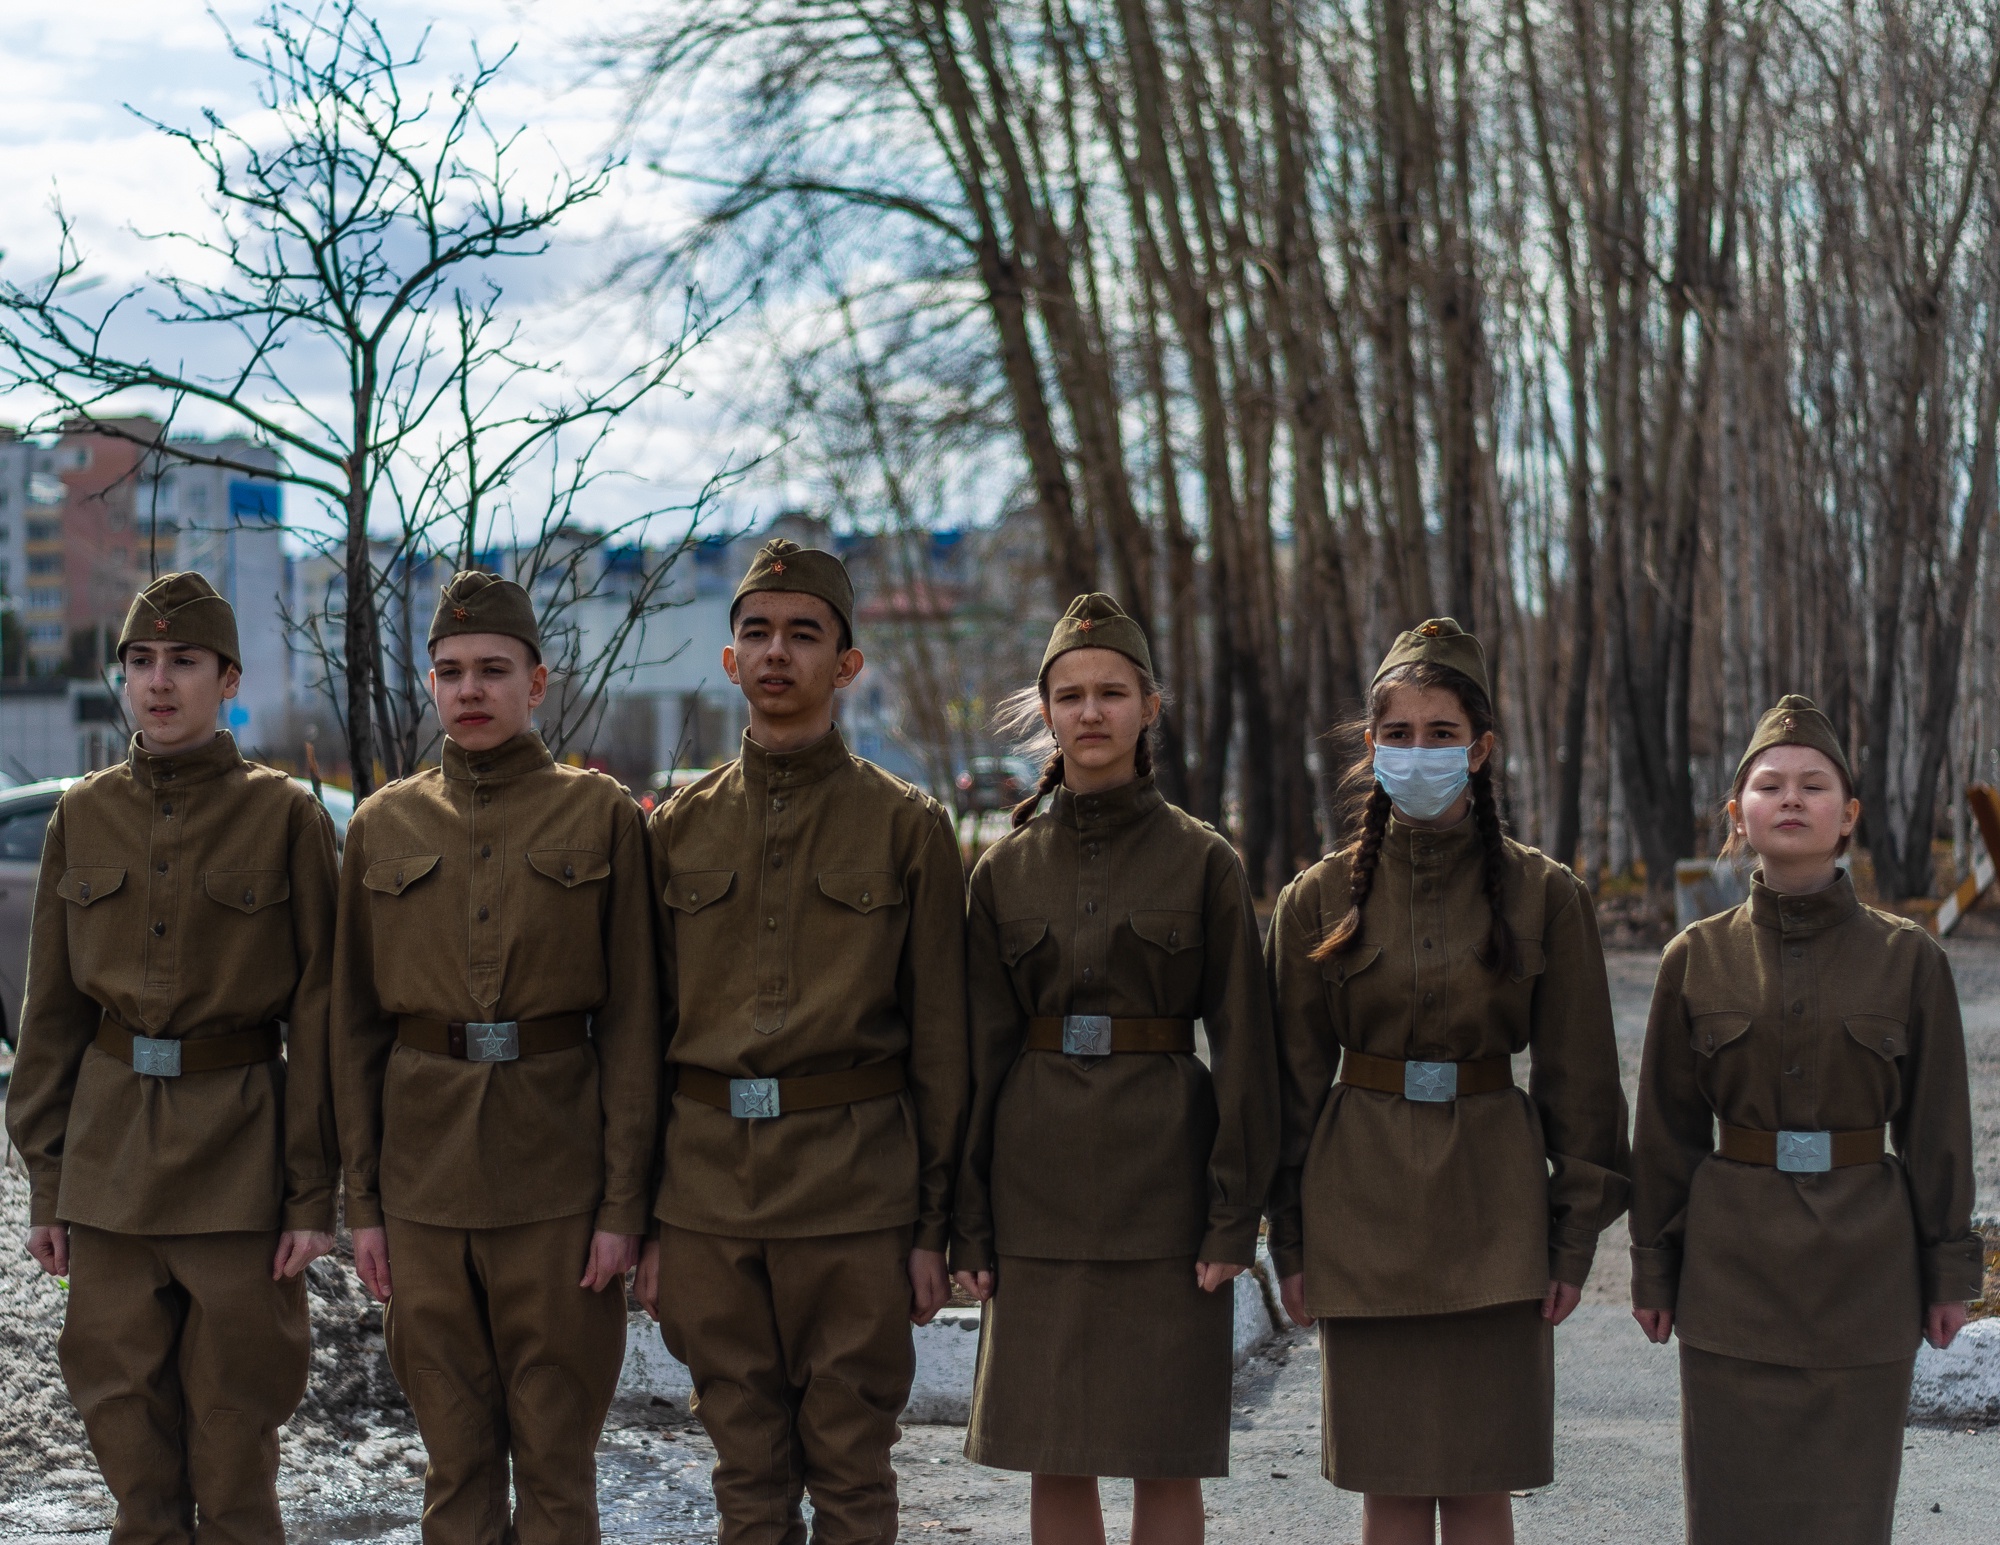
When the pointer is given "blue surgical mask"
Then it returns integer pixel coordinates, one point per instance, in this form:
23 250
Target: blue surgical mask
1422 781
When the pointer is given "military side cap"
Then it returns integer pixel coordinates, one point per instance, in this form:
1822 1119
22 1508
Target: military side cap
1795 721
784 565
183 609
1095 621
478 602
1440 641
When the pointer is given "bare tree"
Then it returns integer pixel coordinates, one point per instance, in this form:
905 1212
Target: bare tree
356 327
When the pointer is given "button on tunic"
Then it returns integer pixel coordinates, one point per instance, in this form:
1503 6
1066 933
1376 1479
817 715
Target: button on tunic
812 914
1395 1207
1115 903
1806 1014
187 896
498 886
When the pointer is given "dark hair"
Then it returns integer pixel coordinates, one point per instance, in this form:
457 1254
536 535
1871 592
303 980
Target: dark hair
1020 715
846 633
1365 812
1735 844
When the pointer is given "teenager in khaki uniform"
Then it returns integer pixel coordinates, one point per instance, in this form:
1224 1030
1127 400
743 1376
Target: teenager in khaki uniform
1113 1183
1799 1259
496 1067
812 932
179 1141
1436 1219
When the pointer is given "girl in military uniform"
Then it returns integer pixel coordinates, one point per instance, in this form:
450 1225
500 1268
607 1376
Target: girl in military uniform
1437 1220
1800 1259
1112 1181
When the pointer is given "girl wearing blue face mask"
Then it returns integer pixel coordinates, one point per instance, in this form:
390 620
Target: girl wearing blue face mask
1436 1219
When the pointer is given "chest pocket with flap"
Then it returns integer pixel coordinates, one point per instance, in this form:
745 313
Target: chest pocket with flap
863 890
247 890
1345 967
570 866
1888 1038
1020 936
1711 1032
86 883
1170 931
692 889
393 876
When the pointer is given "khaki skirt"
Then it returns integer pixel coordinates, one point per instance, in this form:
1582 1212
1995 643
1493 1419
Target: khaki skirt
1439 1405
1772 1455
1103 1368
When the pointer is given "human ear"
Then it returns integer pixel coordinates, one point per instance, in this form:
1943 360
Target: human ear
849 668
1849 816
232 678
538 686
1481 749
729 664
1152 714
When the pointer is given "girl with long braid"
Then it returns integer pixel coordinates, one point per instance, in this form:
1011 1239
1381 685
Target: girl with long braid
1437 1220
1112 1183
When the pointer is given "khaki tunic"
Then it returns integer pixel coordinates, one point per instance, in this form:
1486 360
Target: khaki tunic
1804 1013
812 921
1399 1208
187 896
497 886
1119 904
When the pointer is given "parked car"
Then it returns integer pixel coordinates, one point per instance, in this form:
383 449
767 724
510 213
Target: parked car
24 821
994 783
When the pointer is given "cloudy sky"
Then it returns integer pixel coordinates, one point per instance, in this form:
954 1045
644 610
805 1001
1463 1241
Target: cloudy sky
75 74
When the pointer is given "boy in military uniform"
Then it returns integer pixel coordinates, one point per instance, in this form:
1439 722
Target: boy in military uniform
170 1096
496 1068
812 921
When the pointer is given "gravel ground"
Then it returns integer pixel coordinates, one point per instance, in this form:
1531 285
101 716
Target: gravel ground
353 1464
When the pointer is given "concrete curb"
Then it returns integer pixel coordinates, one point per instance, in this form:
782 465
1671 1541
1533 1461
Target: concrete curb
947 1354
1961 1383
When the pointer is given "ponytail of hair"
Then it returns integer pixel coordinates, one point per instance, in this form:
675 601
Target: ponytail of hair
1362 854
1493 851
1051 780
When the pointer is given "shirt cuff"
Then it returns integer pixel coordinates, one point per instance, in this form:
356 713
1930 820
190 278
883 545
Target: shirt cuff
1231 1241
932 1236
1656 1276
623 1217
1571 1252
309 1209
363 1202
42 1198
972 1252
1954 1272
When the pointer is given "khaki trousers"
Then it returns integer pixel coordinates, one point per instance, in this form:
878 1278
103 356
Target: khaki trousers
801 1355
185 1358
502 1355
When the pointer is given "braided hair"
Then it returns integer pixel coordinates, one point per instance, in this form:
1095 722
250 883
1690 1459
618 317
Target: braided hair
1366 806
1020 715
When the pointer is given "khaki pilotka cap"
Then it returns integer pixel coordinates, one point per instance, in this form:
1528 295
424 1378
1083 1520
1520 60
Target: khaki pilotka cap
185 609
784 565
478 602
1795 721
1095 621
1439 641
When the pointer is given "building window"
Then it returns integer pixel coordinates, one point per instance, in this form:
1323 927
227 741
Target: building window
45 598
46 633
45 531
45 563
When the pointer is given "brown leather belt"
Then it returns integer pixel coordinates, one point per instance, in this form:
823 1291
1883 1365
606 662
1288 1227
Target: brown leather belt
493 1041
170 1057
1426 1082
1802 1153
1097 1035
762 1098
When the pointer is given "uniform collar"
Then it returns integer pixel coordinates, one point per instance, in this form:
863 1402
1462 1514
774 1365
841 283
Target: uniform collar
794 769
1802 914
1419 844
525 753
1107 808
172 772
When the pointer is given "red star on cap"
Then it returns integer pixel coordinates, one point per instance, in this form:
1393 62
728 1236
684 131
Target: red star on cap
1086 624
778 567
1429 630
159 624
458 614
